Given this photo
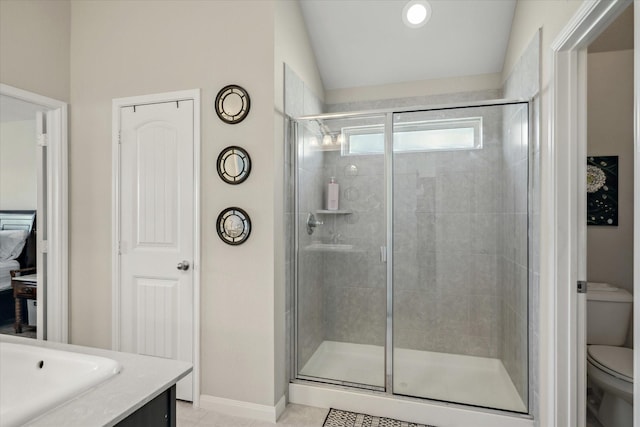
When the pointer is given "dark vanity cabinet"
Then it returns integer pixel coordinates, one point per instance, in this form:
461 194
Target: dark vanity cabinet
160 412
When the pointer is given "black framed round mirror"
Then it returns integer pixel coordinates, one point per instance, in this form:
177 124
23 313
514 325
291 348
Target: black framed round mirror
233 226
234 165
232 104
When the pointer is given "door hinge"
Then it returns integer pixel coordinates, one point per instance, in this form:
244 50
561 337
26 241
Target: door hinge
43 140
119 137
582 286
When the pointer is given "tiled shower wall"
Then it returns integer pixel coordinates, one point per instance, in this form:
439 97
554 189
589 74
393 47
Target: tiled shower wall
520 270
512 261
446 211
355 280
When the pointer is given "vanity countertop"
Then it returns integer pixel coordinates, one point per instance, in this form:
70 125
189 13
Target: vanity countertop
141 379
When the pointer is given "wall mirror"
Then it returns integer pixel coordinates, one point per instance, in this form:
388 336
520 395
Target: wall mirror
232 104
234 165
233 226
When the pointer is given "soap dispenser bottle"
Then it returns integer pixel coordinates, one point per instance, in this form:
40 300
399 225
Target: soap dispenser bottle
333 193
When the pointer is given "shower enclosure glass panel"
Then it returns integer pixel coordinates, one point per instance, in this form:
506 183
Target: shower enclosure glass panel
418 284
460 255
341 274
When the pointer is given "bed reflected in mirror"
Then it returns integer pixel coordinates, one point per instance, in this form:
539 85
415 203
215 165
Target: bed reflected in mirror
18 273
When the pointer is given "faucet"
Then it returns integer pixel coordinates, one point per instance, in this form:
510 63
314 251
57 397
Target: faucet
312 223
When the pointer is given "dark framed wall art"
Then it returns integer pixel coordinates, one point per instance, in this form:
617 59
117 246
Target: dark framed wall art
602 190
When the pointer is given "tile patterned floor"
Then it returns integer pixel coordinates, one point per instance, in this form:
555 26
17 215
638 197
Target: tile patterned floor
294 416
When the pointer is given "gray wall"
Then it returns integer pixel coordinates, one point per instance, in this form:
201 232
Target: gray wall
33 33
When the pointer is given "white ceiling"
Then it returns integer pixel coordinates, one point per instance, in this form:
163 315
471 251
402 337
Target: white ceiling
365 42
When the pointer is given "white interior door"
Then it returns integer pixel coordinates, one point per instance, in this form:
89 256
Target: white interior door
156 232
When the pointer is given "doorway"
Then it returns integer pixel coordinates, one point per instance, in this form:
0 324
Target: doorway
156 229
566 213
609 243
37 189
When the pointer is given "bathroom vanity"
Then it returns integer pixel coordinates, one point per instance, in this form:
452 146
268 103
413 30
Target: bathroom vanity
141 393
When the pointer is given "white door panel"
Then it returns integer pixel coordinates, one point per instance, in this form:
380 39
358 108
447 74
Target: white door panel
156 232
156 305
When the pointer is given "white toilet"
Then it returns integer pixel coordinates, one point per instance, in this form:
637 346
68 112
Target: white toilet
609 365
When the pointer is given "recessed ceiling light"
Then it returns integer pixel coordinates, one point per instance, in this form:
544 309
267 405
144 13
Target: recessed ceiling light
416 13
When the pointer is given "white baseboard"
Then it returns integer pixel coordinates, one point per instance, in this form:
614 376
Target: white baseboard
239 408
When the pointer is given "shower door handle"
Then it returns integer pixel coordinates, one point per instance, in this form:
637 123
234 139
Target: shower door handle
383 254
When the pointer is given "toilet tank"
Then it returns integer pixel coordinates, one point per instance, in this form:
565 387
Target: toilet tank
608 314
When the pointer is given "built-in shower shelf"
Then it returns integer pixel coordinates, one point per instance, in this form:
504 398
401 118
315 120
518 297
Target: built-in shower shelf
338 212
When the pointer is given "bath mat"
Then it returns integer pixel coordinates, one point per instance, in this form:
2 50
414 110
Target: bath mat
338 418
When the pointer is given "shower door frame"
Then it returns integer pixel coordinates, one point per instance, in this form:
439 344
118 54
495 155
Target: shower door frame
388 114
294 134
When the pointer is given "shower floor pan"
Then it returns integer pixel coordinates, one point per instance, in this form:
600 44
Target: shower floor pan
479 381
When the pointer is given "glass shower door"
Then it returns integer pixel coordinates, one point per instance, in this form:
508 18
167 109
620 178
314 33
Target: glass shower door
460 264
341 273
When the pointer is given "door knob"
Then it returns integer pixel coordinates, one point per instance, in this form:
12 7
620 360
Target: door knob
184 265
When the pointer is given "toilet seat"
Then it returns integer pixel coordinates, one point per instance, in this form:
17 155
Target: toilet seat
616 361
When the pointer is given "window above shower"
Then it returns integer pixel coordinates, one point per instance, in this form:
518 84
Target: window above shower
419 136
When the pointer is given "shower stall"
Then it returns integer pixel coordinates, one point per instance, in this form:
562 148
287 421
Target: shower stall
417 284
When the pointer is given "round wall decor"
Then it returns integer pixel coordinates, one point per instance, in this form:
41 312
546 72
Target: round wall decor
233 226
234 165
232 104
